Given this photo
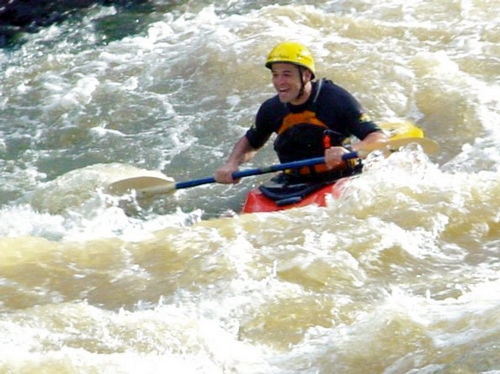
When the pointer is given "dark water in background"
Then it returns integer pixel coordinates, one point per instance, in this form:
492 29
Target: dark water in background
398 276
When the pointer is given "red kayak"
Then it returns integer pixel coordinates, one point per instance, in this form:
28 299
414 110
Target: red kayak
257 202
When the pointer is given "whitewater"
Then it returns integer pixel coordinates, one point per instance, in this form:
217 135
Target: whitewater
399 275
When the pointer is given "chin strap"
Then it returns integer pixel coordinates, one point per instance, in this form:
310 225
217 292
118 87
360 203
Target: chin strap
301 91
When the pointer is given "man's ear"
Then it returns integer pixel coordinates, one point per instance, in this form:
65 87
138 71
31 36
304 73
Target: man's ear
307 75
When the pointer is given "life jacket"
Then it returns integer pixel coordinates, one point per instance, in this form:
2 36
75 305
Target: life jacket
300 135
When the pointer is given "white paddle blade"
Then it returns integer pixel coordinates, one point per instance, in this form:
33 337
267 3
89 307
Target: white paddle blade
143 186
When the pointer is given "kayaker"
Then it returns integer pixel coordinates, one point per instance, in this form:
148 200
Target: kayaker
311 118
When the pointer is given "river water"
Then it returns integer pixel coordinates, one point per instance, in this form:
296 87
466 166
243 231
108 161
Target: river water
400 275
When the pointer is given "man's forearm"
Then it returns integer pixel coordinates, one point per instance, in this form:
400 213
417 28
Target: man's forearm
242 152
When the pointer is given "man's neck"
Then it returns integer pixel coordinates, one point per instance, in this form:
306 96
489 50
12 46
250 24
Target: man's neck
305 95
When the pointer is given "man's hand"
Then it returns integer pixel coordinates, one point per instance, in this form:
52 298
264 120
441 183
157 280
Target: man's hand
224 174
242 152
333 157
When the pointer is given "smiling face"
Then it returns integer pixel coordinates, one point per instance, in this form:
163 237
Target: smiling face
286 81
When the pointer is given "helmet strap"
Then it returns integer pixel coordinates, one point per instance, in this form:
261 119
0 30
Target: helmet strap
301 75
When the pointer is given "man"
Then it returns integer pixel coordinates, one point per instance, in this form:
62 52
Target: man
312 119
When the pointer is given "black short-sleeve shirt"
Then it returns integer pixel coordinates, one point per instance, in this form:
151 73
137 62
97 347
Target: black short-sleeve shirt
334 106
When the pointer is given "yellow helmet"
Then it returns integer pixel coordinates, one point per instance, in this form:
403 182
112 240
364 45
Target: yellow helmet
294 53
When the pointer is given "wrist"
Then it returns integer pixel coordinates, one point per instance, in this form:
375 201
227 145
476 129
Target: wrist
349 148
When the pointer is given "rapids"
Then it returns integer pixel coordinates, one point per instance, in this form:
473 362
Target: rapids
399 275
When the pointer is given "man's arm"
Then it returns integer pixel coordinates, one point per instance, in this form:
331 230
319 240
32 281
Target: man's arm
371 138
333 155
242 152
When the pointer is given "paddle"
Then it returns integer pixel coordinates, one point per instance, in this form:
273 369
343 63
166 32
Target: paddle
149 186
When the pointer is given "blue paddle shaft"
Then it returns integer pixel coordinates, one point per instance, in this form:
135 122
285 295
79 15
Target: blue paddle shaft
269 169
